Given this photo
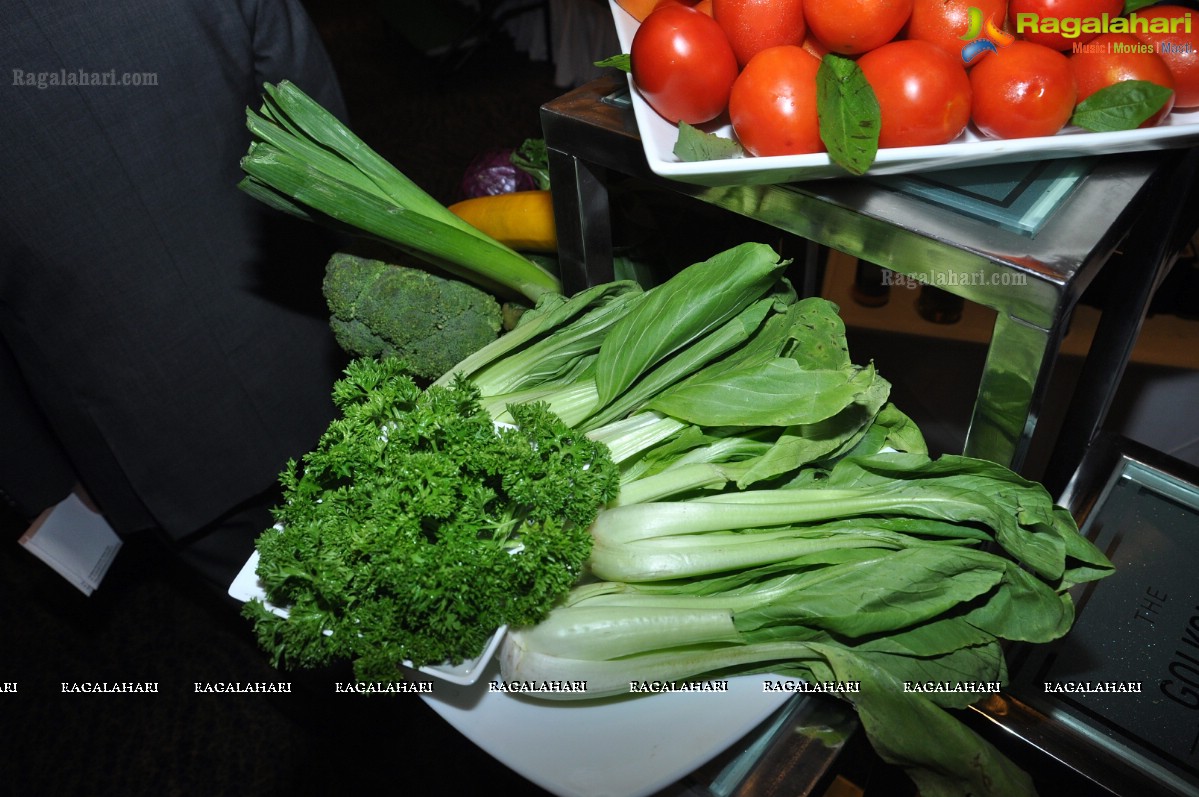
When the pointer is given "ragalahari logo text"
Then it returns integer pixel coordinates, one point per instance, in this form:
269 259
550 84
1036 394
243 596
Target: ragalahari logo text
982 36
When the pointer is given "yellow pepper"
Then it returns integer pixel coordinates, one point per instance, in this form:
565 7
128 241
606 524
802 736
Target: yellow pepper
524 220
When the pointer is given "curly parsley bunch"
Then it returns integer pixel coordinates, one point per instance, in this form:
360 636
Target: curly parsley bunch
417 527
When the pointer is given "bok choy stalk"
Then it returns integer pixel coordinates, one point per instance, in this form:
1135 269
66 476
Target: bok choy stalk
305 162
881 570
718 374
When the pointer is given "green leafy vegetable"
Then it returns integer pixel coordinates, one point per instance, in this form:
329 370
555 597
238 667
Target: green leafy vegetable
848 112
416 528
879 571
759 526
1120 106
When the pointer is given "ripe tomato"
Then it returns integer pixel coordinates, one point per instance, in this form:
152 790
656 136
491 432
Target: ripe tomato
682 64
1022 90
773 103
1035 20
754 25
923 93
813 45
640 9
852 27
1114 57
945 22
1179 49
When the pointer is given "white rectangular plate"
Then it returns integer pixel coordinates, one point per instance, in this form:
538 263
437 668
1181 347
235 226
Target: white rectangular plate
621 747
658 137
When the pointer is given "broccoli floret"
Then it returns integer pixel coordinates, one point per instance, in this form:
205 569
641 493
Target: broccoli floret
382 309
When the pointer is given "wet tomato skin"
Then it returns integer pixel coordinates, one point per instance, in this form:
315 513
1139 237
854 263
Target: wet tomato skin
1022 12
773 103
1179 49
754 25
1023 90
683 64
923 93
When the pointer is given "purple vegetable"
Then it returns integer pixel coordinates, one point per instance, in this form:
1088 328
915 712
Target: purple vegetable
494 173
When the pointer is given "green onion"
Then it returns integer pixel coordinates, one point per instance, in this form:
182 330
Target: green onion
304 159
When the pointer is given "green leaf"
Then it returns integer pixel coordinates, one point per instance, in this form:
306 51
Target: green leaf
848 112
900 725
694 144
1120 106
622 62
692 303
776 393
1136 5
532 157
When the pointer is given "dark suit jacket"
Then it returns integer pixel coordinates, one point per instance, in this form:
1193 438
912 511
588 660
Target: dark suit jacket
156 341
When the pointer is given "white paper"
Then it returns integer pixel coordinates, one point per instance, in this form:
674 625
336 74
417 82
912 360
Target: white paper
74 540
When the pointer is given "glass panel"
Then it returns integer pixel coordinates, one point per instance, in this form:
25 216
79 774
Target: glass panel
1136 630
1020 197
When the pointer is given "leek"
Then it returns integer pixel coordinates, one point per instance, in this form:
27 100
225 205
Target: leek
304 161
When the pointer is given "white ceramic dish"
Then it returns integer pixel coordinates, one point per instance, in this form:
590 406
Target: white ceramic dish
246 587
627 747
658 137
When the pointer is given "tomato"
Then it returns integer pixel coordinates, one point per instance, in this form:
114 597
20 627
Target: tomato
754 25
640 9
852 27
1022 90
1178 48
1053 23
813 45
945 23
683 64
923 93
773 103
1115 57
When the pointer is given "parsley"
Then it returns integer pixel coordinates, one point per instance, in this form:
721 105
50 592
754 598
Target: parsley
416 528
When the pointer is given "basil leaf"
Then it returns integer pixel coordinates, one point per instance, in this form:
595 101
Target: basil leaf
1136 5
1120 106
622 61
694 144
848 113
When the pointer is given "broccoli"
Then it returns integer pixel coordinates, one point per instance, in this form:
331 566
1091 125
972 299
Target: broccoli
381 309
417 527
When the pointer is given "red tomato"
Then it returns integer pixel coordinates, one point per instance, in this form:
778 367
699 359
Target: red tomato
1021 91
813 45
682 64
773 103
640 9
945 22
852 27
1115 57
1051 22
1178 48
754 25
923 93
